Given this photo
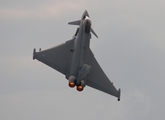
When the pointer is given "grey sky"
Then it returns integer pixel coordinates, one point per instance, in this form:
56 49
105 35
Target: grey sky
130 49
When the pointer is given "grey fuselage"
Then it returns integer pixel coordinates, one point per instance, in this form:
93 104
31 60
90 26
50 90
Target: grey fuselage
76 61
80 48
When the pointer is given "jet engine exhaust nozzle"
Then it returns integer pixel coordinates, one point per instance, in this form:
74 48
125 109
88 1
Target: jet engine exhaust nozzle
72 80
80 88
71 84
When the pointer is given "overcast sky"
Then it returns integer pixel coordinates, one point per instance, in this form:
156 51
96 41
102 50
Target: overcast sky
130 49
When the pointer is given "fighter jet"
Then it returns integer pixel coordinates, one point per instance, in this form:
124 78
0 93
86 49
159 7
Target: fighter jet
76 61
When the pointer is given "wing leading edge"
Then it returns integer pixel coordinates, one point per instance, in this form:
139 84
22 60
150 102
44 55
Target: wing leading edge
98 80
56 57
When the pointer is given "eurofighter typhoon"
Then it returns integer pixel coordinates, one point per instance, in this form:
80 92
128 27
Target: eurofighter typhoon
76 61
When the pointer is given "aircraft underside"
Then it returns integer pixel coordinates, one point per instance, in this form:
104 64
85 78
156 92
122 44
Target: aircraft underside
75 60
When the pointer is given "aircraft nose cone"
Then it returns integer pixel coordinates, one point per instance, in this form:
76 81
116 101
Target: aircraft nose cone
85 14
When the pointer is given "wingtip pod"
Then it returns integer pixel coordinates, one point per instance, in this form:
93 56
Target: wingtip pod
119 95
34 54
